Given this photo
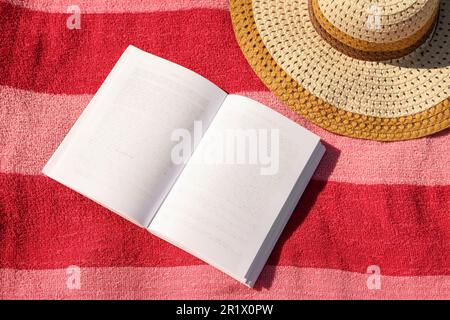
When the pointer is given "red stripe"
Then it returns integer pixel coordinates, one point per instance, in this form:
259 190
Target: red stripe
403 229
40 53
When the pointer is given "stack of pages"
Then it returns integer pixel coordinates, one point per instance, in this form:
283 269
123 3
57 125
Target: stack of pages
216 174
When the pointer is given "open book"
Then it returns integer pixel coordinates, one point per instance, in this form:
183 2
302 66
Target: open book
216 174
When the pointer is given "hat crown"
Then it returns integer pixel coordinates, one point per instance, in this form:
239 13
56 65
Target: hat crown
380 21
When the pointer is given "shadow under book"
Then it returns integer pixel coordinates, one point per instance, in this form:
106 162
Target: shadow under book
119 153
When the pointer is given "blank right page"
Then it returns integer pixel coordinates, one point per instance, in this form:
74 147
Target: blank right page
235 184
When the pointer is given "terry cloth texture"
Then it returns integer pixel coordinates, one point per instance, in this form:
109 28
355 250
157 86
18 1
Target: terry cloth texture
370 208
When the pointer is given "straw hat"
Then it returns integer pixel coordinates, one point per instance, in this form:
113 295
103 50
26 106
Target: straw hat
374 69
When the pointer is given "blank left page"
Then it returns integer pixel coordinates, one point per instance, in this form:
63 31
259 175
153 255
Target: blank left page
118 153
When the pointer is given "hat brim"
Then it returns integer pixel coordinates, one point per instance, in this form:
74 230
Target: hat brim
318 111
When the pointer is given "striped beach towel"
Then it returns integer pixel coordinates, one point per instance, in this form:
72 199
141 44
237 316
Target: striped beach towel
373 223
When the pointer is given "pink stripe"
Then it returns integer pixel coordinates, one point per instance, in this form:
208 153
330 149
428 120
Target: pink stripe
422 161
33 125
104 6
49 117
204 282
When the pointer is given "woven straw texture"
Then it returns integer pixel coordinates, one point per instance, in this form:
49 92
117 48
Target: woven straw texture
399 19
394 88
368 49
400 120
